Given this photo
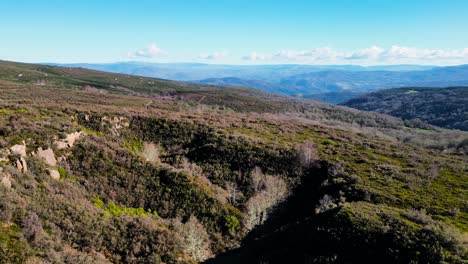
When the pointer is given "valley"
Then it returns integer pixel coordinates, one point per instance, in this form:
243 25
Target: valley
173 172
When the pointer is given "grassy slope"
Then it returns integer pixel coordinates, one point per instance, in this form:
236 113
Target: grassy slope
376 181
103 82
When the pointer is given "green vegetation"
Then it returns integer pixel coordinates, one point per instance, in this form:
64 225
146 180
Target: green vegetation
115 210
336 185
444 107
134 146
62 172
232 223
13 248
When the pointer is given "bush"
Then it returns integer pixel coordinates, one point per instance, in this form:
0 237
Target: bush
232 223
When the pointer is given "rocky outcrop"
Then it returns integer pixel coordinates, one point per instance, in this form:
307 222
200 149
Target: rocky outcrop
71 138
60 144
48 156
69 141
19 149
21 165
54 174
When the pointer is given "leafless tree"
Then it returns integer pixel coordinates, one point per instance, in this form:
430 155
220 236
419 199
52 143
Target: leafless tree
325 204
194 239
233 193
308 152
258 207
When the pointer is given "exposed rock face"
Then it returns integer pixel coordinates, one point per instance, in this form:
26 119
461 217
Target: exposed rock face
54 174
19 149
60 144
69 141
21 165
48 156
71 138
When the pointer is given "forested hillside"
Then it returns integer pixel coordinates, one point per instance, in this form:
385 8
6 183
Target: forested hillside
443 107
107 168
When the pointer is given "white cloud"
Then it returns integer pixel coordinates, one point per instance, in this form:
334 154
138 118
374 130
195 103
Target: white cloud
370 55
254 56
150 52
397 52
214 55
324 53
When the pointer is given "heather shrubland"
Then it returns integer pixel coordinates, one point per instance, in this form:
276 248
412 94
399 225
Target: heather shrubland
176 181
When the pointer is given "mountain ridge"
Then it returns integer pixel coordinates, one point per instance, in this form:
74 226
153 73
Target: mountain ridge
301 80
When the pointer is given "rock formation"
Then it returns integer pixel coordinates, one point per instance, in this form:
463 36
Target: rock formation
21 165
19 149
48 156
69 141
54 174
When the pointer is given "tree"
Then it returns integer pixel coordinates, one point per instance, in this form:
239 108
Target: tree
233 193
274 190
307 152
193 239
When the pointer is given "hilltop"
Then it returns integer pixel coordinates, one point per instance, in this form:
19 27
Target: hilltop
111 168
444 107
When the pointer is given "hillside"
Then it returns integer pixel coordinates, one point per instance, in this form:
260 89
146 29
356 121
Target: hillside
200 71
443 107
91 173
331 83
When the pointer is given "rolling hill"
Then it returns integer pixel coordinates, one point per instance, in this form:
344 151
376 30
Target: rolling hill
332 83
97 167
443 107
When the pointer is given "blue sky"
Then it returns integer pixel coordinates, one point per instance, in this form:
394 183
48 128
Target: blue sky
236 32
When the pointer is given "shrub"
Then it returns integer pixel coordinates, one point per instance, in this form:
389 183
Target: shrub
98 202
232 223
62 172
419 216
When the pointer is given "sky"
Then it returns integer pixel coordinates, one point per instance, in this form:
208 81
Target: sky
430 32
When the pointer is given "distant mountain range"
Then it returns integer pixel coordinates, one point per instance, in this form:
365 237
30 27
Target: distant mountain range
330 83
444 107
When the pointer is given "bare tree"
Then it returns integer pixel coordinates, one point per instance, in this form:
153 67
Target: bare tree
233 193
307 152
325 204
258 207
194 239
258 179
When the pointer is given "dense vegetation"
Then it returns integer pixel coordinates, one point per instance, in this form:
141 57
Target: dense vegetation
158 180
444 107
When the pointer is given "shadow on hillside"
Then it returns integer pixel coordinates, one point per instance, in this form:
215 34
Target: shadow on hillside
292 219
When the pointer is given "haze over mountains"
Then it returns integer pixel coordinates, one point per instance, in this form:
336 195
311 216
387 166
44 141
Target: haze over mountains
330 83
